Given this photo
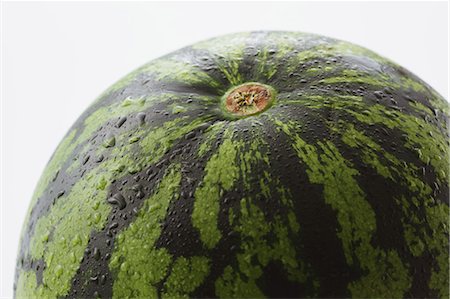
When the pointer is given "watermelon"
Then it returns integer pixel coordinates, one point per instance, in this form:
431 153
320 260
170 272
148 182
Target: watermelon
257 164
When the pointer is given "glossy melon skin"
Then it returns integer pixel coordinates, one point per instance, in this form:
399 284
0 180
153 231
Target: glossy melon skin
340 189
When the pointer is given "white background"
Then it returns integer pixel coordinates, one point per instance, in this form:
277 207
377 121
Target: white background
57 57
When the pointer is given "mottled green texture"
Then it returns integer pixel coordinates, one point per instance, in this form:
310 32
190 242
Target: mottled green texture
437 216
136 264
221 172
256 251
186 275
26 285
418 237
61 236
430 148
327 167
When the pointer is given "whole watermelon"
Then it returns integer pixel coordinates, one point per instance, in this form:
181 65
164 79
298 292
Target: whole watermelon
262 164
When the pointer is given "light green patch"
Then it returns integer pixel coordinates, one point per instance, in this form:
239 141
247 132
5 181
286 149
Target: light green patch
312 71
327 167
221 173
186 275
370 150
176 109
251 156
136 264
228 54
210 136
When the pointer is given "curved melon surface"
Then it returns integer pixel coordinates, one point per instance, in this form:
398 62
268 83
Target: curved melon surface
328 177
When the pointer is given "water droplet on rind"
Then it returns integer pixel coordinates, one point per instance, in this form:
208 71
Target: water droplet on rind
121 121
118 200
110 141
96 253
141 117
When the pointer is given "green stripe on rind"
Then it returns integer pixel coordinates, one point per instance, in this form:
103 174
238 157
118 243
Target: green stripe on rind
256 251
429 234
173 70
437 217
65 231
327 167
136 264
168 69
228 54
431 149
186 275
61 236
261 241
161 139
393 81
26 285
221 173
90 125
